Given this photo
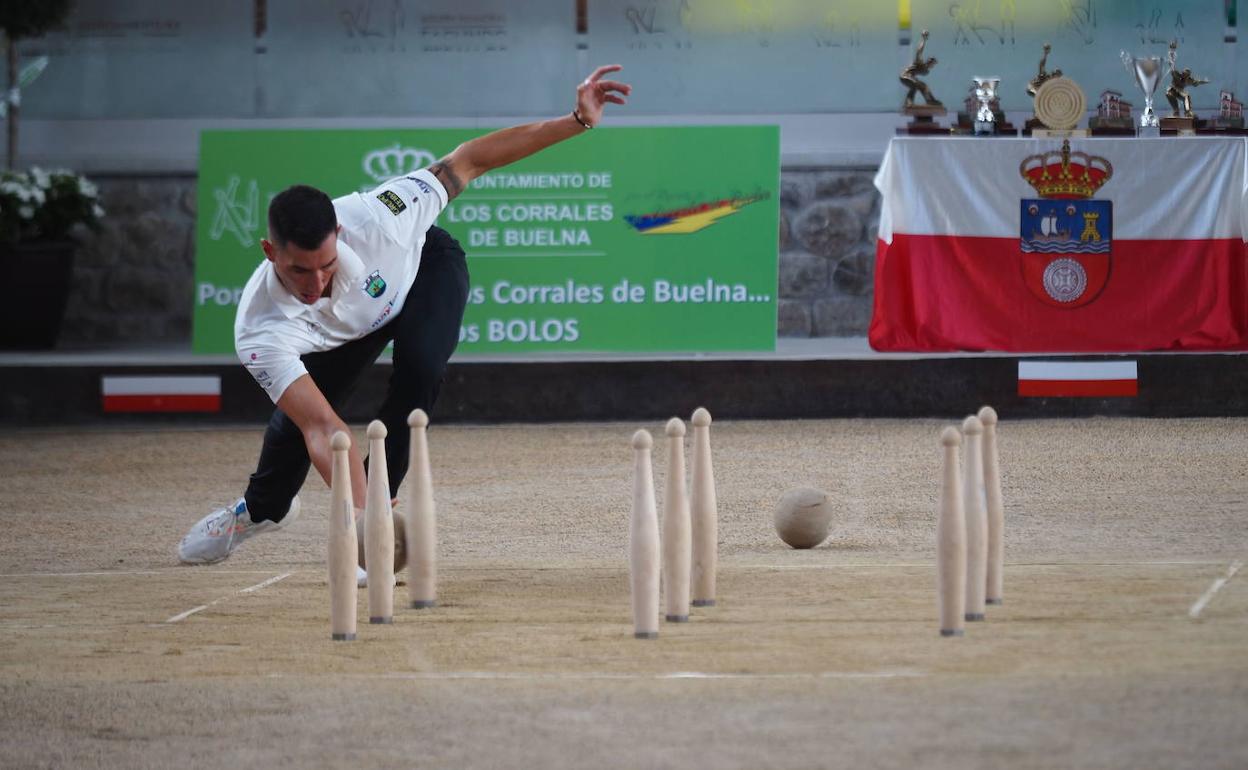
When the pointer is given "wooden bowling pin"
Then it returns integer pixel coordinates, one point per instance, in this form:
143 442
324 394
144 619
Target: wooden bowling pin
378 530
976 518
703 512
643 542
951 539
422 528
676 529
342 547
996 508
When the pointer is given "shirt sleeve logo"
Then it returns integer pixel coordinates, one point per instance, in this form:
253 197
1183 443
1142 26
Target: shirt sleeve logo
392 201
375 285
422 184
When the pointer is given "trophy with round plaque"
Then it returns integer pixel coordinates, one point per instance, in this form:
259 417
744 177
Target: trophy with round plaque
1060 106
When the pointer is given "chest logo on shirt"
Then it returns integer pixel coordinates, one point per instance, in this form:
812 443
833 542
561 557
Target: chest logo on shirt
374 285
392 201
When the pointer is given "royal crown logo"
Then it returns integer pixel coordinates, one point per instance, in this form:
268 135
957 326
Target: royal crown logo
390 162
1065 236
1063 174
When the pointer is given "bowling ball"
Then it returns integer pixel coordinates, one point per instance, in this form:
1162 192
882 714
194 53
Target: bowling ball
803 516
400 541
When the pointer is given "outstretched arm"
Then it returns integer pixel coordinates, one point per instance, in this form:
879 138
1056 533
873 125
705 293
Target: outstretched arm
304 403
499 148
918 52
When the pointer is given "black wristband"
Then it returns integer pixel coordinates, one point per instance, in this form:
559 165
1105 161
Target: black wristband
577 115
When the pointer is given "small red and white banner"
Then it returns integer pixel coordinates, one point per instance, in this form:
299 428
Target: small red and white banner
1094 379
200 393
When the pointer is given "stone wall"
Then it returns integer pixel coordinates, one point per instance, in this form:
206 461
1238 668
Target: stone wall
828 221
133 282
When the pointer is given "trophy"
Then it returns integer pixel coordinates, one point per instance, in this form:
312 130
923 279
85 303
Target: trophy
986 94
1182 119
1058 100
981 113
921 114
1034 85
1147 71
1230 113
1113 116
1042 74
1060 106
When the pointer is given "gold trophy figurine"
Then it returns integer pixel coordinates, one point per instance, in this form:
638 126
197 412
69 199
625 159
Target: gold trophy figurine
1180 81
931 107
1034 84
910 77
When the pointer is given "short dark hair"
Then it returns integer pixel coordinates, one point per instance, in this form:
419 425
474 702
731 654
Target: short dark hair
301 215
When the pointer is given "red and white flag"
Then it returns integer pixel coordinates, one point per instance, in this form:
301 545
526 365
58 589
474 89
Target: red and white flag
1091 379
1042 246
197 393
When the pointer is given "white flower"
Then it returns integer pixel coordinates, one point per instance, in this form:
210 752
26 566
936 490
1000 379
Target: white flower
60 194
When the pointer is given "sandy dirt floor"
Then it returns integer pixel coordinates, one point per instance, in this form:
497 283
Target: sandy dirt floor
829 657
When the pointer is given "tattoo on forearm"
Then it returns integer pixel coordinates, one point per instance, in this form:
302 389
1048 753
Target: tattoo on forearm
446 175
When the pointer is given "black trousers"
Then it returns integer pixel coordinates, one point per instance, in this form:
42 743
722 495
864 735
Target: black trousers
425 334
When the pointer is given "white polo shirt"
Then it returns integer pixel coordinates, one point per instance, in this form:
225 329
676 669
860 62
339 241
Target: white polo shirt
379 248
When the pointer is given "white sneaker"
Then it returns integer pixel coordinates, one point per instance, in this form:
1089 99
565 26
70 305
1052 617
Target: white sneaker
215 536
361 578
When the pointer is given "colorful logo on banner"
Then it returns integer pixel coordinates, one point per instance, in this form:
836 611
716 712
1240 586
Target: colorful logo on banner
690 219
1065 237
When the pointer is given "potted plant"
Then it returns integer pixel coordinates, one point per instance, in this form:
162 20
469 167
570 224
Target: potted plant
38 212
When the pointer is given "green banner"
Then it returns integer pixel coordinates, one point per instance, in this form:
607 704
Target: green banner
621 239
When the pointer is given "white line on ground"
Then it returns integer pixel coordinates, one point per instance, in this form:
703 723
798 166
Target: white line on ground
1208 595
269 582
250 589
603 675
118 573
731 566
932 565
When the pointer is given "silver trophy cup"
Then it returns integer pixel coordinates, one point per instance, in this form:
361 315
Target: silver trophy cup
1147 71
985 93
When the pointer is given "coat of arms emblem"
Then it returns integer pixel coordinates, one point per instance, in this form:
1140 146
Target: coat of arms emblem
1065 236
374 285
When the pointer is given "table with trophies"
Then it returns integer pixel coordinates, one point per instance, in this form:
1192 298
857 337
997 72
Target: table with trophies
1060 103
1123 236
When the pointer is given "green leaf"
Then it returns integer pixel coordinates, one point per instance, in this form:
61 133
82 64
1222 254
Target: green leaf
32 71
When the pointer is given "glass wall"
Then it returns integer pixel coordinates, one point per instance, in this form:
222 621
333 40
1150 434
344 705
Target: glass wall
141 59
